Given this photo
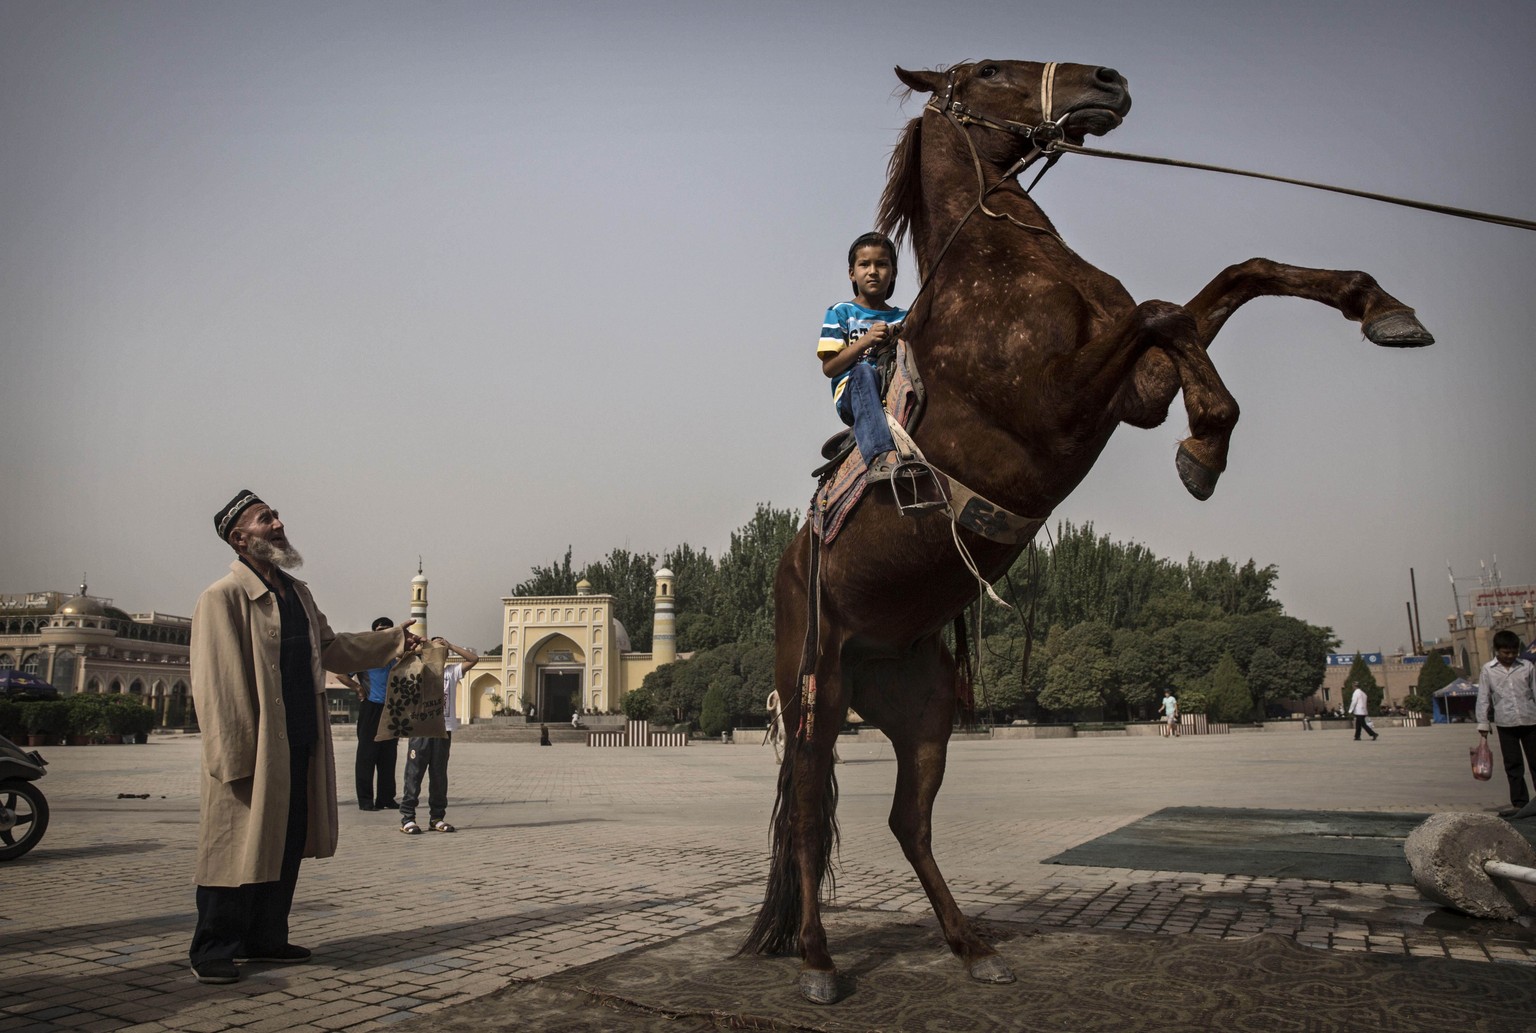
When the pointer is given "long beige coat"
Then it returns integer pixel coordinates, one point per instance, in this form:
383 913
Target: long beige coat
237 686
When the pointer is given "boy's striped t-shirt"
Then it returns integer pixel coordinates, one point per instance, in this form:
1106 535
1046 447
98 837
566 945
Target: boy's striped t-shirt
845 323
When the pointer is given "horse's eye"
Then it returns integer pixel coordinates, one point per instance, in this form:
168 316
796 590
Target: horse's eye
986 71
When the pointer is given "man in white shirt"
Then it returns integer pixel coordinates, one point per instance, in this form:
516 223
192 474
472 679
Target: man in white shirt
1361 707
430 756
1509 684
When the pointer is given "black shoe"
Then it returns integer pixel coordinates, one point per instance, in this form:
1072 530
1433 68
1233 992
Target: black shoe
219 970
287 954
367 807
387 805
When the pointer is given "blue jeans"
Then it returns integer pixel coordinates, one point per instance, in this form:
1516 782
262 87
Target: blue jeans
860 406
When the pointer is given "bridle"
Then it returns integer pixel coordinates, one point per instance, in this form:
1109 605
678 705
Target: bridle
1044 137
1045 140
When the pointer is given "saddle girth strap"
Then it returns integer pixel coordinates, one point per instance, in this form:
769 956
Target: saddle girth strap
970 509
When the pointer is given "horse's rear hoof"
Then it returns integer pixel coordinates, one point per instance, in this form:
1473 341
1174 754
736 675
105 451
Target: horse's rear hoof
1398 330
819 987
1199 479
991 969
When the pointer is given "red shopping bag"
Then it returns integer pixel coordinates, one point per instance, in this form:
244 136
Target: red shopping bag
1482 761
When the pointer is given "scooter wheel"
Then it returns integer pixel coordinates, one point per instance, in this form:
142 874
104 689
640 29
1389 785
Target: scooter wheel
23 818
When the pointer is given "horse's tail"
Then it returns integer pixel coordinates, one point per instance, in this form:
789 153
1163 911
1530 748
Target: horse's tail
796 616
777 929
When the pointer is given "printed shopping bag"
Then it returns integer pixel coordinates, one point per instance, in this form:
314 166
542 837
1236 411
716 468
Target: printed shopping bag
413 703
1482 761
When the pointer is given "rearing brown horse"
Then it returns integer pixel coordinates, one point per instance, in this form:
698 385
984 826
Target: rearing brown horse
1031 357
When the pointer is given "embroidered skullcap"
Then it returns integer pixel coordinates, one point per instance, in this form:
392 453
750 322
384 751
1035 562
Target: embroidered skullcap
225 519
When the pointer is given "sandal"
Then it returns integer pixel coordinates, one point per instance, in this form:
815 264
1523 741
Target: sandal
410 828
442 826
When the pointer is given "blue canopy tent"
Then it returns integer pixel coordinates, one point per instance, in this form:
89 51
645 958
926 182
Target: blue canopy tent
1456 700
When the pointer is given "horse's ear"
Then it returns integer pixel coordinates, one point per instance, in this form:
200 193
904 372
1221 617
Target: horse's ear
922 81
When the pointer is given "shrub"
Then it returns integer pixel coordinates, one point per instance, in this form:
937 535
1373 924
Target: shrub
1416 703
639 705
127 716
48 717
712 716
87 715
10 720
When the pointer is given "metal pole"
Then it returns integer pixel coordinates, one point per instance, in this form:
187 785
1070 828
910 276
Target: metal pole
1418 629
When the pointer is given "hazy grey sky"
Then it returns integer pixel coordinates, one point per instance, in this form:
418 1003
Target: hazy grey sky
478 280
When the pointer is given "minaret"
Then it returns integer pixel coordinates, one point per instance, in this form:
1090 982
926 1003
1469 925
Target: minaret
664 630
419 601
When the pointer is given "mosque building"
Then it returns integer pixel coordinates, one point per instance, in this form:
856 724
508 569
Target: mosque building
82 643
560 654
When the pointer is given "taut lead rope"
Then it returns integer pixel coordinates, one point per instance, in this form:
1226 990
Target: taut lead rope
1461 213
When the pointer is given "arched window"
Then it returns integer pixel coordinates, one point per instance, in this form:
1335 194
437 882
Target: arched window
30 664
93 686
116 686
7 661
64 666
137 688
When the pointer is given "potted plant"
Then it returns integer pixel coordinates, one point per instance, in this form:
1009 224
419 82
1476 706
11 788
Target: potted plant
87 719
127 717
45 721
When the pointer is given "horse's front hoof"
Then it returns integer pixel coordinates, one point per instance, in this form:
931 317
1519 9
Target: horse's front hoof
1398 330
818 987
1199 479
991 969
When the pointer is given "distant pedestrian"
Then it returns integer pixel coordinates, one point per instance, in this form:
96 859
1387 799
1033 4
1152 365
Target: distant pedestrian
1171 711
1508 683
1361 708
544 735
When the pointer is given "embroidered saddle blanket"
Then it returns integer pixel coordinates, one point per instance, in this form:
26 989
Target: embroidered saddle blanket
841 487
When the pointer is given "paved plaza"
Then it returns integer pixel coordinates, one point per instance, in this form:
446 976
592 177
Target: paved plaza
566 855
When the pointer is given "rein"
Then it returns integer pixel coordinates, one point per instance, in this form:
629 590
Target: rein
1461 213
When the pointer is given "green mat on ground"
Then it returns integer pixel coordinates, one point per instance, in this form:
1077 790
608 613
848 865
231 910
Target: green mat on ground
1335 846
898 975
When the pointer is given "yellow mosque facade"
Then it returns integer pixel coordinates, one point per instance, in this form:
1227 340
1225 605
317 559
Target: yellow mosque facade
561 654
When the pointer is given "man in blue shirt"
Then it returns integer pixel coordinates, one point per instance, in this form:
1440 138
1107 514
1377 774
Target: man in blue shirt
375 760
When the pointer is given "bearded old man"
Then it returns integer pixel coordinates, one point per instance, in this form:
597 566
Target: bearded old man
260 648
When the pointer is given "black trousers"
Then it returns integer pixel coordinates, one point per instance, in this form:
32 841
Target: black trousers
1513 741
1360 727
240 921
427 757
375 760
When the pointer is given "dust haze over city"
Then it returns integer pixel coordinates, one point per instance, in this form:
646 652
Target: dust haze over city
477 281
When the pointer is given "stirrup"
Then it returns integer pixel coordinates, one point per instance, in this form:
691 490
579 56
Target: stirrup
914 470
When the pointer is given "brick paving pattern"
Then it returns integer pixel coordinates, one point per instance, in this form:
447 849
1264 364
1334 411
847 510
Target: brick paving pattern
566 855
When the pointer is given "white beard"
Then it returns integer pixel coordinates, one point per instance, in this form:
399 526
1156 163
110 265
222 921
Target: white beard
283 557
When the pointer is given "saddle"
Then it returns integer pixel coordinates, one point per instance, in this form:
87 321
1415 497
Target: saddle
840 480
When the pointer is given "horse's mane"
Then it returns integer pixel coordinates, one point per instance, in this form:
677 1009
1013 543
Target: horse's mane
901 203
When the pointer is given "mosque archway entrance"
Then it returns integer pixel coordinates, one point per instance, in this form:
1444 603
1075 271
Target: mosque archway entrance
559 693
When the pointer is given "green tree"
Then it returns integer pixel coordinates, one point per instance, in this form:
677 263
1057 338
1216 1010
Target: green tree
712 714
1435 675
630 577
744 596
1228 696
1081 676
1360 677
694 583
555 579
639 705
1141 677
